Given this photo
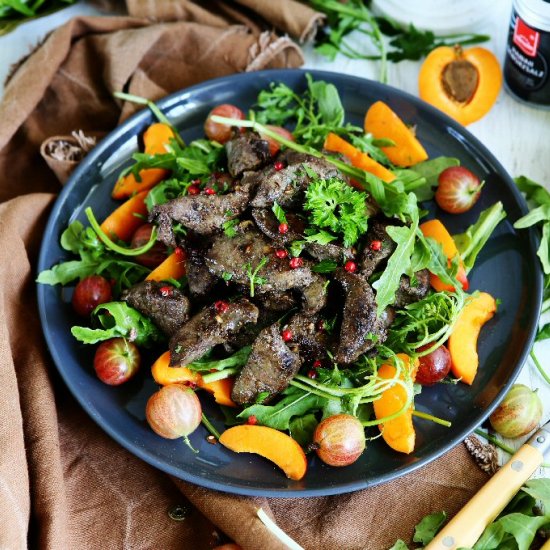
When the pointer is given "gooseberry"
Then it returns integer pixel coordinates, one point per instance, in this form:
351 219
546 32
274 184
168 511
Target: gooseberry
174 411
339 440
518 414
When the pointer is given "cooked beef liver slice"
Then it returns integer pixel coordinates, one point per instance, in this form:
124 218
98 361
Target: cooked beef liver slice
209 328
249 247
203 214
270 368
287 186
246 151
168 308
359 317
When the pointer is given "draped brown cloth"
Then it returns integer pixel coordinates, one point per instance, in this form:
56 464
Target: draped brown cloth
64 484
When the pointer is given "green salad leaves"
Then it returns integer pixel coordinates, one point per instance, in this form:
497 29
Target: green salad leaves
515 528
119 320
95 259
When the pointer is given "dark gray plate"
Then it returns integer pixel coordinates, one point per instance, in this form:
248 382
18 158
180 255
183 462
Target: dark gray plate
507 268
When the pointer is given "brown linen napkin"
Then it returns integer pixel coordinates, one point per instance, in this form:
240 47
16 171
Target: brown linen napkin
63 482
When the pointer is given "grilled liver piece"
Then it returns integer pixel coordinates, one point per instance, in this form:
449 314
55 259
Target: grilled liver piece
359 317
233 255
246 151
167 306
208 328
287 186
270 368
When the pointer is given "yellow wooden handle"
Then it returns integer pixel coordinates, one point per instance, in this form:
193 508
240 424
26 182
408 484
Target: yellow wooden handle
468 525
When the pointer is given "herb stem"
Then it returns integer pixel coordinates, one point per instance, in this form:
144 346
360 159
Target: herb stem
432 418
161 117
210 427
123 251
541 370
219 375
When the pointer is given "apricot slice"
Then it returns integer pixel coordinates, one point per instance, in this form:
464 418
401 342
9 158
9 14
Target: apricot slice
463 340
382 122
269 443
123 222
155 139
462 83
399 432
173 267
437 231
164 374
336 144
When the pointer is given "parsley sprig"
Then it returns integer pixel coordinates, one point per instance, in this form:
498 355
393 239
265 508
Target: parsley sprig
355 16
335 205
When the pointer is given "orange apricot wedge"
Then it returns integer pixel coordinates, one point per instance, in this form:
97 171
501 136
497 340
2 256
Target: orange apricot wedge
269 443
173 267
463 340
336 144
123 222
382 122
164 374
398 432
155 139
437 231
462 83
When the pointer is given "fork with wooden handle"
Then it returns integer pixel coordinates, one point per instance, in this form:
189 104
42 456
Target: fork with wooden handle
467 526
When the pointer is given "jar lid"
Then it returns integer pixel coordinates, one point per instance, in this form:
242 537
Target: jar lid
440 16
536 13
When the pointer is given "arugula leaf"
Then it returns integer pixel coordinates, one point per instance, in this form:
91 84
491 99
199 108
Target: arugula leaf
325 266
471 242
118 319
238 359
428 321
328 101
296 402
315 113
533 190
428 527
320 237
522 528
430 170
543 333
535 216
95 258
302 428
335 205
399 262
279 212
353 15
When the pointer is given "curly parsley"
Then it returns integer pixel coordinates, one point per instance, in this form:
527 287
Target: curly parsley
334 205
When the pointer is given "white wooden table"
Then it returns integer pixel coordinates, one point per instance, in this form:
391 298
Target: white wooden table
519 136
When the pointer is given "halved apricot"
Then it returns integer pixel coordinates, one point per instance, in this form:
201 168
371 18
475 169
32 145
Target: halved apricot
462 83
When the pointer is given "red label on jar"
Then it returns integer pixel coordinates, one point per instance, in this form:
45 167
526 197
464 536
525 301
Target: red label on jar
526 38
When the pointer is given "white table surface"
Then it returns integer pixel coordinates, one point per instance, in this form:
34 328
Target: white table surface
517 135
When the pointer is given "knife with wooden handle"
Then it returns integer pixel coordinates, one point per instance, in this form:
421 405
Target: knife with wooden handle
467 526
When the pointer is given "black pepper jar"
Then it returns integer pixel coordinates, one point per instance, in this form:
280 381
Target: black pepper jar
527 61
